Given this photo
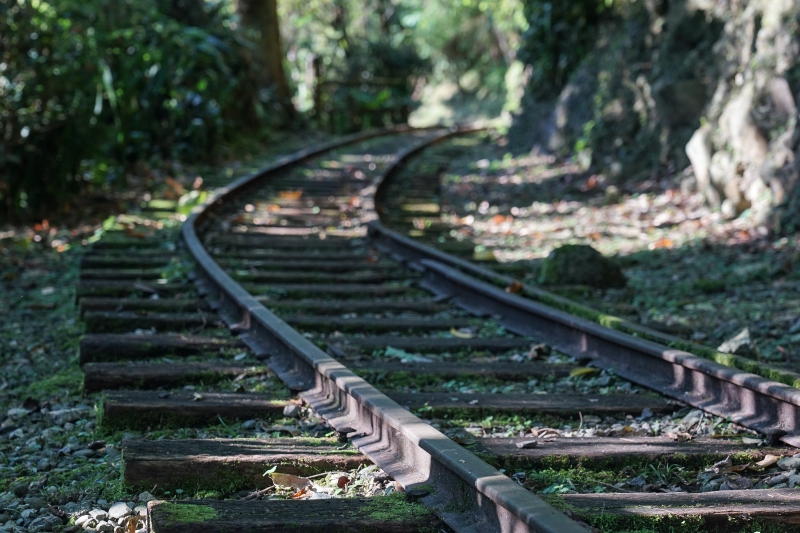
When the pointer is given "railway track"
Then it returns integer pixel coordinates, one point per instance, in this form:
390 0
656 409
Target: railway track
339 358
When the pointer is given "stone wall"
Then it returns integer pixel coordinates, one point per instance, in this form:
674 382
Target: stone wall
711 83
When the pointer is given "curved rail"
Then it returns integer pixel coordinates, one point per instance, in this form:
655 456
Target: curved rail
752 401
469 494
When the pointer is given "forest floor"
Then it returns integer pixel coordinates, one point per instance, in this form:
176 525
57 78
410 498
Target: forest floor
691 273
50 451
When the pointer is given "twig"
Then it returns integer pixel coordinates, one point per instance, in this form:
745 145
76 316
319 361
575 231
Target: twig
258 493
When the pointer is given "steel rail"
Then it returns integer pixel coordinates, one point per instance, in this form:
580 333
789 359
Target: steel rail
750 400
469 494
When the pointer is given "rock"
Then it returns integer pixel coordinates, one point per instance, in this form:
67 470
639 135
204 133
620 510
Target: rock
84 453
43 464
782 98
71 507
112 454
527 444
43 523
793 481
579 264
292 410
249 424
692 418
611 195
789 463
36 503
780 478
104 527
119 510
98 514
741 344
146 497
20 489
119 529
141 510
63 416
84 520
699 151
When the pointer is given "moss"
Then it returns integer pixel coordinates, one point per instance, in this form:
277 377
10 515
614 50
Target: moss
395 508
183 513
730 360
69 379
632 522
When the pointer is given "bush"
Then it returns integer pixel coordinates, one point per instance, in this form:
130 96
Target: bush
89 87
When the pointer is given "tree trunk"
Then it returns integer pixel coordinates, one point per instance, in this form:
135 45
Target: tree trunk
260 20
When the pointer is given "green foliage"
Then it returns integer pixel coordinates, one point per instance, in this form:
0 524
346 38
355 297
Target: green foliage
87 88
559 36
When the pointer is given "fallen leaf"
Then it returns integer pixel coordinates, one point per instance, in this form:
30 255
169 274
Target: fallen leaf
583 371
288 480
460 334
539 350
175 185
342 482
290 195
679 436
483 255
514 288
768 461
661 243
299 494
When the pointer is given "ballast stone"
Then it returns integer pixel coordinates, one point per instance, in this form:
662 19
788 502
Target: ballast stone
119 510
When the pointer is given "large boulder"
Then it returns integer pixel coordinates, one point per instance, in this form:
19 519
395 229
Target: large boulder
580 264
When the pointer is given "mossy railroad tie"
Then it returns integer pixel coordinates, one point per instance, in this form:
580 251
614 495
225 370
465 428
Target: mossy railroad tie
598 453
728 511
435 344
502 370
557 403
127 321
160 305
122 347
389 514
111 376
128 287
143 409
230 465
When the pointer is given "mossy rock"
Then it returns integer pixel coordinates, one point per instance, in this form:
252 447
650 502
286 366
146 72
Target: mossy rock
580 264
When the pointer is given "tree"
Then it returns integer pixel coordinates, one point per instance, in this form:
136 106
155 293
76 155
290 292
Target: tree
262 27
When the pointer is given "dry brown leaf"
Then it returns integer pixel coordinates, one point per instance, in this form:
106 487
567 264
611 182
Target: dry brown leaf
514 288
768 461
291 195
175 185
662 243
679 436
342 482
